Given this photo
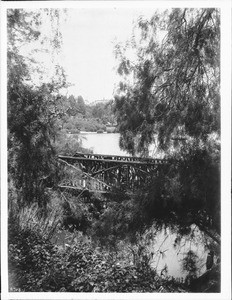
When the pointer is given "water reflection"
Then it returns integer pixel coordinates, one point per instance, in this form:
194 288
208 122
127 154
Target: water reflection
169 256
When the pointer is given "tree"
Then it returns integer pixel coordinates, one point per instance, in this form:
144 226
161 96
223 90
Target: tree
175 86
33 107
81 105
104 112
75 106
171 89
98 110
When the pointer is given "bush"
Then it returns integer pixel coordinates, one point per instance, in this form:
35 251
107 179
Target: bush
74 125
68 145
36 265
29 258
76 216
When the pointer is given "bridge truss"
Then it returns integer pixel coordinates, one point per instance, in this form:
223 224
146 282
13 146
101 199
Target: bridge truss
103 173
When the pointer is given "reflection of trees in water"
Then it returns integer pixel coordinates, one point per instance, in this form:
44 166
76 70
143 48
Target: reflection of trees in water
172 255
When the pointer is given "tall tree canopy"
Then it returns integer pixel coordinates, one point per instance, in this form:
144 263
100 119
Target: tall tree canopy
171 87
32 102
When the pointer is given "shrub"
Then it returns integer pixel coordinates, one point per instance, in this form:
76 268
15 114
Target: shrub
37 265
68 145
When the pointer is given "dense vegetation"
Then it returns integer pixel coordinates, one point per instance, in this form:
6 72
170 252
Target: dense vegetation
175 86
60 241
82 117
36 264
174 96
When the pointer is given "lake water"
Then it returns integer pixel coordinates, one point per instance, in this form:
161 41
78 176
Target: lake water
108 143
102 143
162 245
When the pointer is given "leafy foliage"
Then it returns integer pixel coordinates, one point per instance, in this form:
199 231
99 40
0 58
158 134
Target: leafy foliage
75 106
77 124
170 93
68 144
39 266
31 156
32 109
183 194
78 116
175 86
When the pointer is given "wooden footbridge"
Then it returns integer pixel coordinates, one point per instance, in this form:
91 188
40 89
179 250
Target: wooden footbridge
105 173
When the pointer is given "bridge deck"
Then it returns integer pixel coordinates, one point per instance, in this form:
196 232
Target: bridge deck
114 159
117 157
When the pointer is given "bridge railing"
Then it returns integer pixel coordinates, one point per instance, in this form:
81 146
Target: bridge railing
119 158
156 161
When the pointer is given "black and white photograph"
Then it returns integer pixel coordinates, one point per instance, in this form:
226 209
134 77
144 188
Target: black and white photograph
115 159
